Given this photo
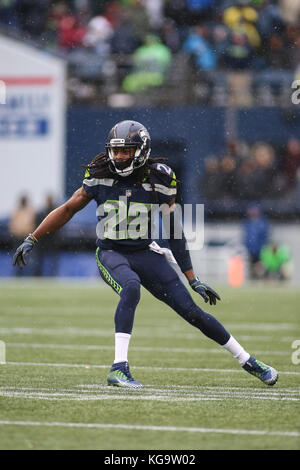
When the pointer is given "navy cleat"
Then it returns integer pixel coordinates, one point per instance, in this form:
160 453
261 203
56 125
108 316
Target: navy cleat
262 371
120 376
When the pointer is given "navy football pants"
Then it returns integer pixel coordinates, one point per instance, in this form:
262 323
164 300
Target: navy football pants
126 272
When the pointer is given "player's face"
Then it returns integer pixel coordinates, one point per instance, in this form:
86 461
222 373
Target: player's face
123 153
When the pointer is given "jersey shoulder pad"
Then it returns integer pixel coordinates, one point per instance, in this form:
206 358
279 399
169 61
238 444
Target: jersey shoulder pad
164 174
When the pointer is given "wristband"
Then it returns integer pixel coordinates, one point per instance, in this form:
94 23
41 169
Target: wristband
33 238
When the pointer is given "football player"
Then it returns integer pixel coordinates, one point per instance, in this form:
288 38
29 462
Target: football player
125 183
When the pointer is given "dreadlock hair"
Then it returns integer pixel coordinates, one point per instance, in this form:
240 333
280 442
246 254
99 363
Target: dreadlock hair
99 168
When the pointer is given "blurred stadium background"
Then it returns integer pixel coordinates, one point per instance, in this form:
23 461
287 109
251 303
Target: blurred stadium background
215 81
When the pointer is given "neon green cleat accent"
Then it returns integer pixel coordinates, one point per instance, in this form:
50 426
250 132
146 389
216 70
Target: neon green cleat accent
120 376
263 372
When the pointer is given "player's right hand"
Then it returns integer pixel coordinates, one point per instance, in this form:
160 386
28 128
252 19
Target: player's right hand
23 250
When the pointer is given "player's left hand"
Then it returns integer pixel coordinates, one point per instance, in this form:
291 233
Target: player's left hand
205 291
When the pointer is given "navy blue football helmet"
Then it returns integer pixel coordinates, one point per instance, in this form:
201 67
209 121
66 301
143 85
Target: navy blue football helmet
128 134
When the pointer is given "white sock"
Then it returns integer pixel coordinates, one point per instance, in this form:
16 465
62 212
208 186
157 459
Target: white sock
236 350
121 347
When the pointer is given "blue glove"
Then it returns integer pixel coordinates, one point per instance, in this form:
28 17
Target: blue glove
23 250
205 291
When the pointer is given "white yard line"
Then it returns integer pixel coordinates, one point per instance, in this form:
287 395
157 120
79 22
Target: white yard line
152 392
136 427
195 388
159 331
159 397
175 389
100 397
107 366
109 333
90 347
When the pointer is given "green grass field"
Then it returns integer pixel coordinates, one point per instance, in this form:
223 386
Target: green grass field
60 345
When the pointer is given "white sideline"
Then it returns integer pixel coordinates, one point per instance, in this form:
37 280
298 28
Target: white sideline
136 427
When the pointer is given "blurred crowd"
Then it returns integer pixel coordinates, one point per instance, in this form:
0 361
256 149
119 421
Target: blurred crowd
23 220
252 172
267 258
214 34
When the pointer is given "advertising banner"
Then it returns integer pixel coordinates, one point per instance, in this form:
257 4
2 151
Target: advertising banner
32 125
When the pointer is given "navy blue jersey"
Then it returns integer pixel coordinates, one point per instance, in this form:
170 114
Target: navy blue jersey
125 207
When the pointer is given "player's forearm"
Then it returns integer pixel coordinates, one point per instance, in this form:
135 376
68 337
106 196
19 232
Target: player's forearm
55 220
178 245
181 254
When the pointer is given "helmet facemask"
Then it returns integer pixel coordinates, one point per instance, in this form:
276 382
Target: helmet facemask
121 166
137 157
